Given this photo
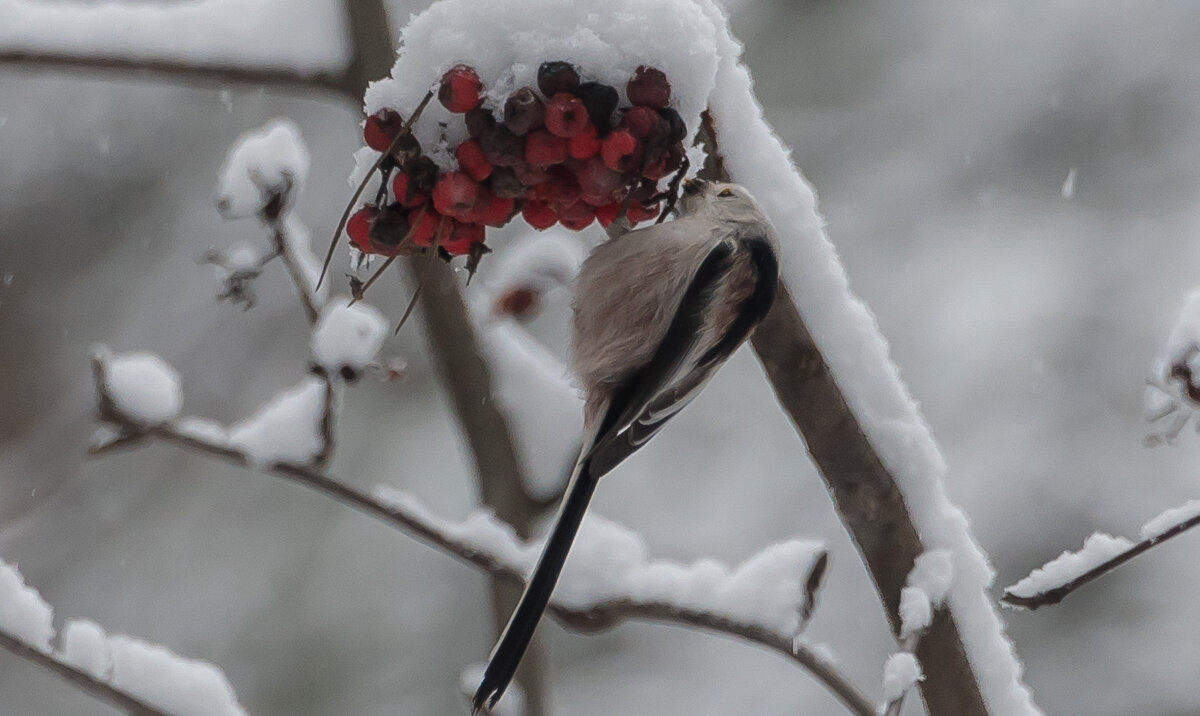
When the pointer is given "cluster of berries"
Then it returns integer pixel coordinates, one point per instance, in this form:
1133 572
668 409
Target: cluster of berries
562 154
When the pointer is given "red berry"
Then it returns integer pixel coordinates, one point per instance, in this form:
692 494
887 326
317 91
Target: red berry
543 148
640 212
566 115
359 228
662 161
530 175
618 150
517 302
388 230
596 179
478 121
426 227
649 86
642 122
501 147
460 89
381 128
461 236
561 186
585 144
505 184
523 111
608 213
405 191
576 216
555 77
601 101
539 215
472 160
454 194
489 209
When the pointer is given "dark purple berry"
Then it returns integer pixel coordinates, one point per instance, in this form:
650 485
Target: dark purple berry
600 101
555 77
523 111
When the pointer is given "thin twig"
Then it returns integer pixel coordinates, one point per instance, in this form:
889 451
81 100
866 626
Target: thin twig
1057 594
109 694
283 246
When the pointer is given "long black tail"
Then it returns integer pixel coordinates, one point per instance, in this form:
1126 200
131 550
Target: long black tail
506 657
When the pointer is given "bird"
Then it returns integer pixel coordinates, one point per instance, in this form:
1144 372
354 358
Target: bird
657 311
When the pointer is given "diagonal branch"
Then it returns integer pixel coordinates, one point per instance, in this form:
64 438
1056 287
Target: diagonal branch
866 495
109 694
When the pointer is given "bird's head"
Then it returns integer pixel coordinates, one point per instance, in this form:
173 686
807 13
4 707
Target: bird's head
720 200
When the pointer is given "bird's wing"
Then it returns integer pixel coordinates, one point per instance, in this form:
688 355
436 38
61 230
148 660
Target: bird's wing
616 437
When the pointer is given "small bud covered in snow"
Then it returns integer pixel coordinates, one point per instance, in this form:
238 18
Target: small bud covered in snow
263 171
347 336
901 672
143 388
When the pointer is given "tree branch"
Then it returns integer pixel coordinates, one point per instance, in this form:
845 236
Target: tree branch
864 492
193 73
109 694
1057 594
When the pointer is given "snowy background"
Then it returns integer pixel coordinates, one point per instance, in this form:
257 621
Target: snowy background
939 136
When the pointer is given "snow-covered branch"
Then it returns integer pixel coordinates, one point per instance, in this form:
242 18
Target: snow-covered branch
1101 554
609 579
128 674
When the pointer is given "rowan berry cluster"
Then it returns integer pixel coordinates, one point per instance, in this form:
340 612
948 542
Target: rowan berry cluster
561 153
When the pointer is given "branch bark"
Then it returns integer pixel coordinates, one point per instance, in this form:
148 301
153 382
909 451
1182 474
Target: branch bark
865 494
109 694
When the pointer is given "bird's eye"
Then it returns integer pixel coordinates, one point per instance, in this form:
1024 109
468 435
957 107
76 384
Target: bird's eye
725 193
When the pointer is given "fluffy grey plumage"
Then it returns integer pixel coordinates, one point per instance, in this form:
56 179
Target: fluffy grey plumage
657 311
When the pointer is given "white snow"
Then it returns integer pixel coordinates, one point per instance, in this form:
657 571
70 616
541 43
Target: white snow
150 673
287 429
858 357
85 646
1170 518
1097 548
142 386
254 34
23 612
506 42
933 574
609 562
347 335
1068 187
511 704
177 685
916 612
900 672
203 430
262 162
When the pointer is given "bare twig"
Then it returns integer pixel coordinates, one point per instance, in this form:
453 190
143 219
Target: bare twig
286 251
109 694
865 493
1057 594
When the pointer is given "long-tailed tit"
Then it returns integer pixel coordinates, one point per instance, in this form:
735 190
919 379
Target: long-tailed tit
657 311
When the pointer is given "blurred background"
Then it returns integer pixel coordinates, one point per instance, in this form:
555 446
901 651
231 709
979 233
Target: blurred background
939 136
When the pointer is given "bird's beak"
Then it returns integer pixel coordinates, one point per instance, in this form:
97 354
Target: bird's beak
692 186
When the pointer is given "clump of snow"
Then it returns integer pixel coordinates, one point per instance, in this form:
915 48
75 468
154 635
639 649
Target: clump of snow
933 574
607 41
1169 518
177 685
23 612
511 704
609 562
347 335
1097 549
916 611
262 163
85 646
287 429
203 430
901 672
142 386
